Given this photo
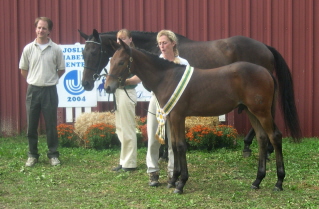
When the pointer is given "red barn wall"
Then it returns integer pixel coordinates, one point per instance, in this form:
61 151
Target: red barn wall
289 26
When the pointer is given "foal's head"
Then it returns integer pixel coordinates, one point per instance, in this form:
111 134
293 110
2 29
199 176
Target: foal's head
120 68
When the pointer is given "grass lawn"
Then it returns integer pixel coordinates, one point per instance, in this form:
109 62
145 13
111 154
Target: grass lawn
218 179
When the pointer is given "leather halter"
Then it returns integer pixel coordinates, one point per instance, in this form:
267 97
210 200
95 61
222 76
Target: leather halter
128 67
96 75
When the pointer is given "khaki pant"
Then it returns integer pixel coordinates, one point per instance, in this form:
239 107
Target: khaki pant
126 127
152 155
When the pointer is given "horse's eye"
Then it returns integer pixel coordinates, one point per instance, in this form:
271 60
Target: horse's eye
121 63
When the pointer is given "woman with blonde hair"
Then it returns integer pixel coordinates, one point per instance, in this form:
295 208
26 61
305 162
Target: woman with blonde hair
167 42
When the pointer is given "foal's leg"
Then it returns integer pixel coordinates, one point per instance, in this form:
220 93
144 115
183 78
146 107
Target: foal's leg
177 125
176 170
247 142
275 138
276 141
262 140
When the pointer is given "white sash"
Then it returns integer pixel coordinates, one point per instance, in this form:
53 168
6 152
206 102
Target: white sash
161 113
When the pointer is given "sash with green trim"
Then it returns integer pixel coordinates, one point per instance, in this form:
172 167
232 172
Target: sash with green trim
161 113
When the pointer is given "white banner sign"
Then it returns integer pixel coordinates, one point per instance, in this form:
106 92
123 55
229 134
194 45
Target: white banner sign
70 90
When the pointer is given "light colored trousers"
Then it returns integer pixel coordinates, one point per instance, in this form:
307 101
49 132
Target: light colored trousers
126 126
153 144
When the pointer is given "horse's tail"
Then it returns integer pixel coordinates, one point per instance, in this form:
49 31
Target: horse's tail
286 94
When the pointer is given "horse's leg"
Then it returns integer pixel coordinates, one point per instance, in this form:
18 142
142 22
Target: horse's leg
262 140
275 138
276 141
176 170
177 126
270 149
247 142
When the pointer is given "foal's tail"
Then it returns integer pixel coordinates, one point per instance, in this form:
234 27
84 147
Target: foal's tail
286 92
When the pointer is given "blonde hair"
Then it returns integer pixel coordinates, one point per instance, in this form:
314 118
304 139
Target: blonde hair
172 37
126 33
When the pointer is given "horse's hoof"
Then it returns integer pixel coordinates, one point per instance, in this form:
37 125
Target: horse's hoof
254 187
277 189
177 191
170 186
246 154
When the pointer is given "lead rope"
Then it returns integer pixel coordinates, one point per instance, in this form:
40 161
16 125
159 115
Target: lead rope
136 103
114 102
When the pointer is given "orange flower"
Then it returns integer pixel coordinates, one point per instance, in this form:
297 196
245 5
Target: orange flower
66 135
202 136
99 135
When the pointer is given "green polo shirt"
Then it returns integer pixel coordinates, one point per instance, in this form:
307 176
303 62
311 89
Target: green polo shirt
130 86
42 64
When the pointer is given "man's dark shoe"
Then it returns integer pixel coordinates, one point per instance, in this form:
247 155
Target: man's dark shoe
119 167
128 169
154 176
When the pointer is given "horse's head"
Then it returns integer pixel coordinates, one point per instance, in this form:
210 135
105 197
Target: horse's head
120 68
97 51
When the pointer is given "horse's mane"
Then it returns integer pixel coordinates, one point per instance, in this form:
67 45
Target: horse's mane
142 32
101 34
160 61
155 58
179 36
132 31
109 32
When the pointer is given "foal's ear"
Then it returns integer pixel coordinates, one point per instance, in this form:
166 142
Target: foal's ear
125 46
83 35
114 45
96 34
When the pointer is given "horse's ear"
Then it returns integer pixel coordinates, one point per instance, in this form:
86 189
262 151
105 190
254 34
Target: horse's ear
96 34
125 46
83 35
114 45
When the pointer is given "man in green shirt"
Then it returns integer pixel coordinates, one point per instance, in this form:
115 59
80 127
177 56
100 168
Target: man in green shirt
42 64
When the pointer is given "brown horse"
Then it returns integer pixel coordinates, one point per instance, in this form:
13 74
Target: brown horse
201 54
210 92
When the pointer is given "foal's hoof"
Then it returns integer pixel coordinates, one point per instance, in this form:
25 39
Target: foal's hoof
254 187
169 185
177 191
246 154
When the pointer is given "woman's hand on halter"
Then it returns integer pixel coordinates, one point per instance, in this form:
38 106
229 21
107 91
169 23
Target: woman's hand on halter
132 81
